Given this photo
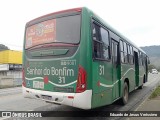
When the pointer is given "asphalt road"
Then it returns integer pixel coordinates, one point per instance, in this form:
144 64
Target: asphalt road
11 99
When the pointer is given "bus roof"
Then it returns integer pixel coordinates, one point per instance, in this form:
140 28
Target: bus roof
58 12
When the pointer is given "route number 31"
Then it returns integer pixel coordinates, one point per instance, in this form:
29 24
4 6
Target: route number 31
101 69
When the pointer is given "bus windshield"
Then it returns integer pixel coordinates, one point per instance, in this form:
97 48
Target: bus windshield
62 29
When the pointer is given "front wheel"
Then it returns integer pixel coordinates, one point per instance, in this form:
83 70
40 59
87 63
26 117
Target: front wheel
124 99
141 87
144 80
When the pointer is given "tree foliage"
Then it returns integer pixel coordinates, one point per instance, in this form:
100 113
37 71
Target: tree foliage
152 51
3 47
150 67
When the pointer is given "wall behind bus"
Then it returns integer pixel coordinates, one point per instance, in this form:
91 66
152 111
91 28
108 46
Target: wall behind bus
10 78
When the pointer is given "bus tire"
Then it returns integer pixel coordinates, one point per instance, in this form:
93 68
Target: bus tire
141 87
125 95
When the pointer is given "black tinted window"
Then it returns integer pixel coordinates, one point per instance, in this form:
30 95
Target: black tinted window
121 44
125 47
100 42
63 29
104 36
96 32
125 53
68 29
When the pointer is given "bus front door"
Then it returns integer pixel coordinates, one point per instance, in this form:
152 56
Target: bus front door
115 68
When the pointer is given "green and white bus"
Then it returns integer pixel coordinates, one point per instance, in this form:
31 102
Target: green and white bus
74 58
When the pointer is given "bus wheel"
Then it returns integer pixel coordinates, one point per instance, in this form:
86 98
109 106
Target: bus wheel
141 87
125 94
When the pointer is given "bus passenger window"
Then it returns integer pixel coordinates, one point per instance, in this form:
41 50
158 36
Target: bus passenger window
96 49
140 59
104 36
95 32
125 53
105 43
100 42
96 41
132 57
122 51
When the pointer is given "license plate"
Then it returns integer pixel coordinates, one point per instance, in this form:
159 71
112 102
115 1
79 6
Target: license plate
46 97
61 89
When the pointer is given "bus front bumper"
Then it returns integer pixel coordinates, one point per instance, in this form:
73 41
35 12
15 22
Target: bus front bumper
78 100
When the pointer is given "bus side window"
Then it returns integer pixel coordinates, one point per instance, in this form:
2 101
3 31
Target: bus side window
140 59
132 56
143 59
129 53
105 43
122 52
100 42
97 50
96 39
125 53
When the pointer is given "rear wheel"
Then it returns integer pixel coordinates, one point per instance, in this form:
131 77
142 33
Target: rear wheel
124 99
